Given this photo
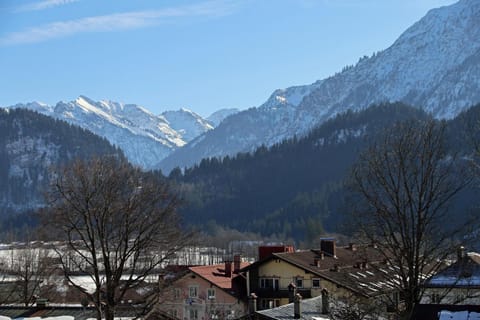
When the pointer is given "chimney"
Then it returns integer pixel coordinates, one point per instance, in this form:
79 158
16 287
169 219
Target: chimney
460 253
316 262
325 302
237 262
327 245
228 269
297 312
352 246
266 251
252 303
292 291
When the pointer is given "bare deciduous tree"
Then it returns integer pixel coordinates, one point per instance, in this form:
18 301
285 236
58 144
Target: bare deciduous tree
23 271
24 268
402 188
30 271
354 308
118 226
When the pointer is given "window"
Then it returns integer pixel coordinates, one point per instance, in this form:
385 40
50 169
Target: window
269 283
315 283
210 294
299 282
269 303
176 293
193 314
193 291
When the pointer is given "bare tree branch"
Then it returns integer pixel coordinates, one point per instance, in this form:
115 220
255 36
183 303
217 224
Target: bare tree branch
403 186
119 226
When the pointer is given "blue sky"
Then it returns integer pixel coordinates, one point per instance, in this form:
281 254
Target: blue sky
202 55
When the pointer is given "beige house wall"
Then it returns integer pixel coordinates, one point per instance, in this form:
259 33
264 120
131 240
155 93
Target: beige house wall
287 273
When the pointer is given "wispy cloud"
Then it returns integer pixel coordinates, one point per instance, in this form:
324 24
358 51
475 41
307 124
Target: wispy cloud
44 4
114 22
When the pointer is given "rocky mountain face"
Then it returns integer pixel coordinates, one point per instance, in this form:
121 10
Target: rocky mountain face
220 115
434 65
145 138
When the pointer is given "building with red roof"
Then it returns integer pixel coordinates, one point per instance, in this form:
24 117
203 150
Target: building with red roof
207 292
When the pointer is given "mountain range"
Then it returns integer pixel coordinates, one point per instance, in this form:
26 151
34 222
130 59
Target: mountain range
276 169
434 64
145 138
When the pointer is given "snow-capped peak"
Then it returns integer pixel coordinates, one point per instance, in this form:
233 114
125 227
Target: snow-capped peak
187 122
144 137
292 96
434 64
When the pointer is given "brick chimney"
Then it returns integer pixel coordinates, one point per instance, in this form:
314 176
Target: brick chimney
237 262
327 245
228 269
266 251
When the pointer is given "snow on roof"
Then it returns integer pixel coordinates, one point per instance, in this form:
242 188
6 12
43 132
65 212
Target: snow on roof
310 309
458 315
455 281
464 272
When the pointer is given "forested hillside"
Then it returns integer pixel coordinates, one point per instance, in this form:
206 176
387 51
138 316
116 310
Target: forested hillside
30 144
295 189
292 190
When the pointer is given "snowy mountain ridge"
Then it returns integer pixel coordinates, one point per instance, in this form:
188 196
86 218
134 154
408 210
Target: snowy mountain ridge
434 64
145 138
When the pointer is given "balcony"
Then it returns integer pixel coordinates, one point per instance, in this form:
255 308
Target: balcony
280 293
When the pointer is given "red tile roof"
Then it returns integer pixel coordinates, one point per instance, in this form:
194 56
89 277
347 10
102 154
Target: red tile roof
216 274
